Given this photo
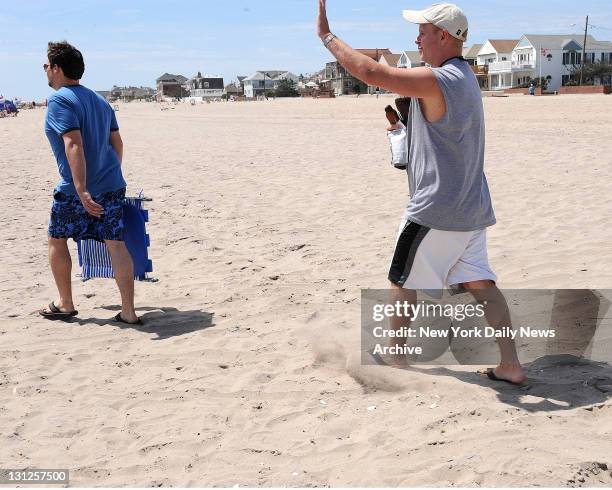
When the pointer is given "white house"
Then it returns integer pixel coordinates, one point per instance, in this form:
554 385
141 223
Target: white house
206 87
261 82
410 59
496 51
548 56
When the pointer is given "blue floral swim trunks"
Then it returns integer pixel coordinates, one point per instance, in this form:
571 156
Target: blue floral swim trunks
69 219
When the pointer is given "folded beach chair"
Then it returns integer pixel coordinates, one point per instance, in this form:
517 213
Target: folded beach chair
94 259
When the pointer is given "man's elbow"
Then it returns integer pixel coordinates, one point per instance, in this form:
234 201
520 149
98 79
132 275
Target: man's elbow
116 140
373 75
72 147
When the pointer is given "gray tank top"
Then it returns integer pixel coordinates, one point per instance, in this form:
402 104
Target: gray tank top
448 187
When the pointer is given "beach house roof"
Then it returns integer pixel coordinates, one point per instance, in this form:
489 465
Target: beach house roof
566 42
375 53
413 56
503 45
169 77
599 45
390 58
270 75
209 82
470 52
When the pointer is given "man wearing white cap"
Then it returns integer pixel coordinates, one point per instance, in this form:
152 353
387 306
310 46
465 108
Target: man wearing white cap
442 238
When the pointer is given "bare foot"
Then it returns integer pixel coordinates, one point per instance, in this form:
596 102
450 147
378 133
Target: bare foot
392 358
64 305
513 373
130 319
57 307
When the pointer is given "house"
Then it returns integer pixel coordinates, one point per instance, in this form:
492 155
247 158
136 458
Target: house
341 81
235 89
547 56
262 82
387 59
169 85
553 57
203 87
410 59
129 94
495 51
470 54
104 93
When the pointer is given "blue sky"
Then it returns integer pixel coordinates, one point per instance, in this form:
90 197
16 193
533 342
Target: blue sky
133 42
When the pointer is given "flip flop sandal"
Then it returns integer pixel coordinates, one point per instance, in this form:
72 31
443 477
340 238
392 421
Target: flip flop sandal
490 372
119 319
54 313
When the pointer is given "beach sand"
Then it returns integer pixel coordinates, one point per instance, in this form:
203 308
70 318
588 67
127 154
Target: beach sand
267 220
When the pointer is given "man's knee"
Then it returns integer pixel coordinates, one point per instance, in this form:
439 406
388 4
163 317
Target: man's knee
115 246
58 243
474 285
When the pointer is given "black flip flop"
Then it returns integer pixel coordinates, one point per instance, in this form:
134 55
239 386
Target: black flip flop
490 372
55 313
119 319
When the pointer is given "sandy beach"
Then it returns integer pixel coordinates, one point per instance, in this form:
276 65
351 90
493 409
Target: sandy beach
267 220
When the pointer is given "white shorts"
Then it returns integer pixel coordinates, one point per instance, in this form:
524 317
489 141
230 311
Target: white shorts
431 260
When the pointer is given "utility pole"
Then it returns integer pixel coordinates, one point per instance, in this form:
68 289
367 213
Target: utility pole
586 28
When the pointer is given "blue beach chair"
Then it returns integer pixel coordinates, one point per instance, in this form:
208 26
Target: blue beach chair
94 259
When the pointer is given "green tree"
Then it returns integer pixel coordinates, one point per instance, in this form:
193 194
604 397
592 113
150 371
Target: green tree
592 72
286 88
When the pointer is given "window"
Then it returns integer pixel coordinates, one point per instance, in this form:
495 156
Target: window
206 85
573 58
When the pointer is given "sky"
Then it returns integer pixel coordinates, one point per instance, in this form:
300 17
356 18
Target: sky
134 42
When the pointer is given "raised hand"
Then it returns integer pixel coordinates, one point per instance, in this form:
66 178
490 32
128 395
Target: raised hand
322 22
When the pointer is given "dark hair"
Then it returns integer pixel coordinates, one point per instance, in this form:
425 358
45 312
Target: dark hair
68 58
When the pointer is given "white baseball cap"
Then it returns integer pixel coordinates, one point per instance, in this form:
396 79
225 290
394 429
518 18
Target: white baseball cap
443 15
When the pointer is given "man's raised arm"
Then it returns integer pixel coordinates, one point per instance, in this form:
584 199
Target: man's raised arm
416 82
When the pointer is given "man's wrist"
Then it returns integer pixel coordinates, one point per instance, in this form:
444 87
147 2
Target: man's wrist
328 38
